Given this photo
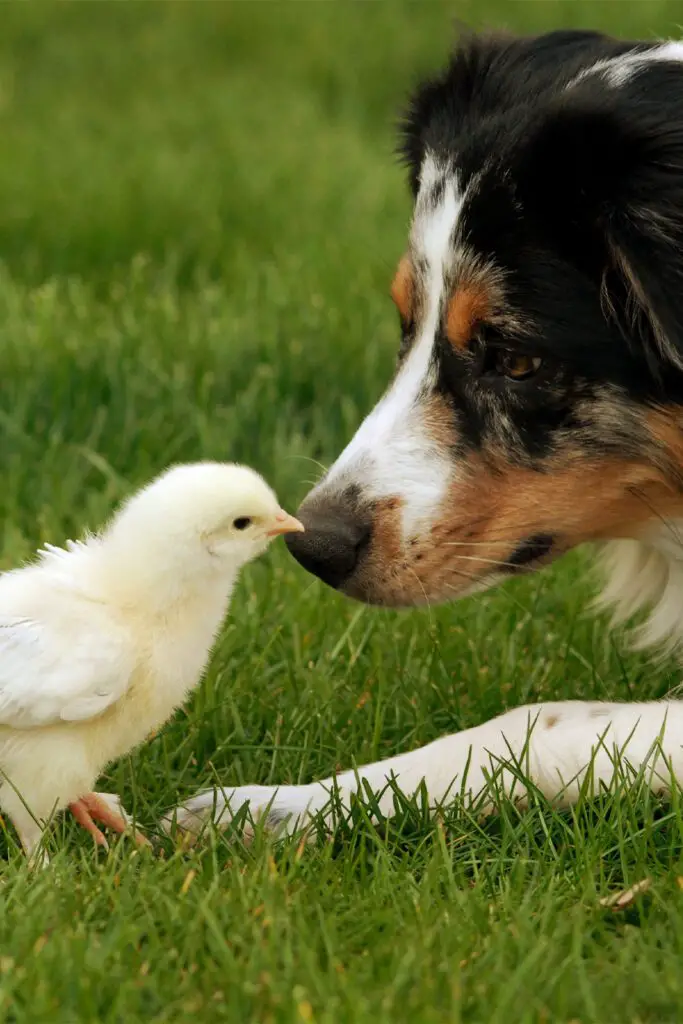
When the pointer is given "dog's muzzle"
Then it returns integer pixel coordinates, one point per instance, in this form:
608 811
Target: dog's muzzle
336 534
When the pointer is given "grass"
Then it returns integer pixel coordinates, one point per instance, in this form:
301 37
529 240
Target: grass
199 217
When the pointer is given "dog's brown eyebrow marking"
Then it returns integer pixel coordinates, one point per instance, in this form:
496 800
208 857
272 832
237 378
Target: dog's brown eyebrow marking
468 305
403 288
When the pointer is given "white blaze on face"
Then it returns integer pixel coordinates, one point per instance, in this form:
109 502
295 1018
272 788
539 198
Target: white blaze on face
393 453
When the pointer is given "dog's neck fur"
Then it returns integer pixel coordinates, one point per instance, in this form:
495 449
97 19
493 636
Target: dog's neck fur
647 573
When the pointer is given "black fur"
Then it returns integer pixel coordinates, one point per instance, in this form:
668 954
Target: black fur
529 552
489 76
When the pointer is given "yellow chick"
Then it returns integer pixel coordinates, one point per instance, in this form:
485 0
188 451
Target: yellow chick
102 640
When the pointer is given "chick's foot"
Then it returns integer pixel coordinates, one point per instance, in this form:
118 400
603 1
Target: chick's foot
107 809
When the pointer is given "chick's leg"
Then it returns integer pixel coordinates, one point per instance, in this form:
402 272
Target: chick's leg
30 834
108 810
29 829
29 824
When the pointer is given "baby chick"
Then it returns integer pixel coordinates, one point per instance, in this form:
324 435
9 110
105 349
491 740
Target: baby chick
101 641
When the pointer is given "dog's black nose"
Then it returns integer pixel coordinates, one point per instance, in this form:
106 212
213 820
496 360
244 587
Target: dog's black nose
334 539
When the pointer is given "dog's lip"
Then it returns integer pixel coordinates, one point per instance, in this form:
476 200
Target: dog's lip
536 548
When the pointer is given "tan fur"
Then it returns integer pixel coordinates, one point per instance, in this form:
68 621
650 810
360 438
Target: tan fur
438 420
494 505
469 305
665 428
403 288
477 293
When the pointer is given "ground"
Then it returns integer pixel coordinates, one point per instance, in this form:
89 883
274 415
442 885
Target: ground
200 213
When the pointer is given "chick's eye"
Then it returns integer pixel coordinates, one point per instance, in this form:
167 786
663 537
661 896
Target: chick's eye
516 366
242 523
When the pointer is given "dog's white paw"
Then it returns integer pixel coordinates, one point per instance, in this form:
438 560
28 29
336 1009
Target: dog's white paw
283 809
113 803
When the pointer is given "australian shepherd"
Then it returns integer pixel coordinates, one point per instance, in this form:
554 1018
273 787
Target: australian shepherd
537 402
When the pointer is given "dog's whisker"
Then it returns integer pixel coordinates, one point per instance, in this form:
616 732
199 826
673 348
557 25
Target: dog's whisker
477 543
503 535
502 594
426 597
487 561
472 577
307 458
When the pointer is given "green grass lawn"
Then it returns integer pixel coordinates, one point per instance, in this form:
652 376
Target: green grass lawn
199 216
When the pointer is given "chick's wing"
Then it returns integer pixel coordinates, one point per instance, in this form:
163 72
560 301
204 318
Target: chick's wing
50 674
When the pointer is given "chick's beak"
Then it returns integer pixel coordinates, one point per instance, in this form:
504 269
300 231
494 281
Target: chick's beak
284 523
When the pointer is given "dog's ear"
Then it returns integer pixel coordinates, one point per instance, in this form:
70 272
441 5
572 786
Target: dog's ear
604 170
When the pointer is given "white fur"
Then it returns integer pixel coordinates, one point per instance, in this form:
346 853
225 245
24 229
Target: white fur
647 573
618 70
101 641
392 444
562 747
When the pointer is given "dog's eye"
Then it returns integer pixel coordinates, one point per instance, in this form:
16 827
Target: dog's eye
516 366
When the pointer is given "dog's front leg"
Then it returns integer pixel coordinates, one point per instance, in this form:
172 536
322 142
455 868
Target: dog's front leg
559 747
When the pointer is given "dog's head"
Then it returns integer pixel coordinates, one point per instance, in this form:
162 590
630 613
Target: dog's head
538 397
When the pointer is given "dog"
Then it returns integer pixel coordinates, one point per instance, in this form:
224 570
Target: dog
537 402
